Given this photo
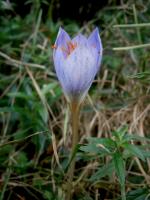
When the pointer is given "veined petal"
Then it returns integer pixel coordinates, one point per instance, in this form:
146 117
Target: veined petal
95 42
59 62
79 40
62 38
62 41
76 70
80 68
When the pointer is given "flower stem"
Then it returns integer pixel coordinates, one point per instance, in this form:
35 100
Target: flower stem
75 117
123 193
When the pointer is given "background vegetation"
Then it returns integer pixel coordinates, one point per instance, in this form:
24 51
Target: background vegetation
34 118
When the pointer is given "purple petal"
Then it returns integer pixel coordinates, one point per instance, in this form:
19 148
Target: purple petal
59 62
62 41
80 68
95 44
62 38
94 41
76 70
79 40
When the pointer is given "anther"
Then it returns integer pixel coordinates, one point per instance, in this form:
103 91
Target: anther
54 46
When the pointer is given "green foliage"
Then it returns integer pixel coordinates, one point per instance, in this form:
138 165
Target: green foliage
120 147
119 167
106 170
139 194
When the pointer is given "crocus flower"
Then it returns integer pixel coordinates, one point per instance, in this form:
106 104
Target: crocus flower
77 61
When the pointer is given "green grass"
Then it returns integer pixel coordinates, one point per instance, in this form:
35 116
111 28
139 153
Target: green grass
35 128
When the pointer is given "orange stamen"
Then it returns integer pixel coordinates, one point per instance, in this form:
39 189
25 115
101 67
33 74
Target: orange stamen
69 49
71 46
65 50
54 46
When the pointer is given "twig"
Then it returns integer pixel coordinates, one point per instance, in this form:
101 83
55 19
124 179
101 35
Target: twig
16 141
140 25
131 47
17 63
